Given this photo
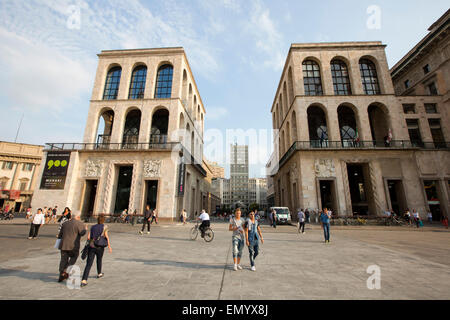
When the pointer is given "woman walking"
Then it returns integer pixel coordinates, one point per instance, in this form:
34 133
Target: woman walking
36 222
98 239
253 235
416 218
325 221
236 225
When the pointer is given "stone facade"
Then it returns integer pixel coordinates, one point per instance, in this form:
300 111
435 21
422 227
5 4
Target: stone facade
377 166
151 133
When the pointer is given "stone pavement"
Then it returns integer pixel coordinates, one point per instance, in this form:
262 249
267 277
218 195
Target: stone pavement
167 265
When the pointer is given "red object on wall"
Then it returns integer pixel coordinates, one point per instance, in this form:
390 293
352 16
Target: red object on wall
14 194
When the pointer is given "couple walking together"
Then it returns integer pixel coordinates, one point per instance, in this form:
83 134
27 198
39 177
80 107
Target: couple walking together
248 231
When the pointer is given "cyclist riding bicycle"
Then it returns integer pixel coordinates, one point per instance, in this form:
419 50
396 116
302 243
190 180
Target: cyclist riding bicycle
205 222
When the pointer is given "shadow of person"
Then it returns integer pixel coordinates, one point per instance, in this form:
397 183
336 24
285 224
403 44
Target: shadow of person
188 265
44 277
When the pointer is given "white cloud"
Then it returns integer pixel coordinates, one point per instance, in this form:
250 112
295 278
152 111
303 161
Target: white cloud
38 77
216 113
266 36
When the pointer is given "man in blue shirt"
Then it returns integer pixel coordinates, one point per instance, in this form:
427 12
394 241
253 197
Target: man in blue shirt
325 220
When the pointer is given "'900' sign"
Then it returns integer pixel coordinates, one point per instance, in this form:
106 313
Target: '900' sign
55 171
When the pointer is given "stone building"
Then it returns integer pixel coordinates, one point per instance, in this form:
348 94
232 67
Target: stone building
239 173
19 169
217 170
143 141
343 138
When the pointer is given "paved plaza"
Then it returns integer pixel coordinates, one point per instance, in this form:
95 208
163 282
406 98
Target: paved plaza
414 264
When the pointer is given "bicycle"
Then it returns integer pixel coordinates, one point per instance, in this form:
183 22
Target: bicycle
209 233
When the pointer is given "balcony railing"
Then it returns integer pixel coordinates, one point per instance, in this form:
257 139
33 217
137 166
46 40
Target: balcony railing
109 146
362 145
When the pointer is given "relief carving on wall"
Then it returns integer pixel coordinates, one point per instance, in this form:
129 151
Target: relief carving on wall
324 168
94 168
294 172
152 168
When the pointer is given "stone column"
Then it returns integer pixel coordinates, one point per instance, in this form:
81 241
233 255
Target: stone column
355 77
119 123
333 123
376 180
364 134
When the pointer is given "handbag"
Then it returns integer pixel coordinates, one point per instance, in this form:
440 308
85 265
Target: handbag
85 250
56 246
101 241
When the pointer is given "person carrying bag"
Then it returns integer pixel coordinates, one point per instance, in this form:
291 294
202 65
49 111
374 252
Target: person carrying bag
98 240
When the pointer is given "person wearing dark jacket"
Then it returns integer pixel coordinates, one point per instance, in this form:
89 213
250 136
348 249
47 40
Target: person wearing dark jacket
147 217
70 235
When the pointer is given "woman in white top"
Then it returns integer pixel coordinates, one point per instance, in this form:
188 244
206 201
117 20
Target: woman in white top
416 218
184 216
237 226
37 221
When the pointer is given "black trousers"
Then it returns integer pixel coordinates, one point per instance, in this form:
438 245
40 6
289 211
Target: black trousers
148 225
302 226
34 230
68 258
205 224
92 253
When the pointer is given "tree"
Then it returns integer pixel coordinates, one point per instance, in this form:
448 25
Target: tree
254 206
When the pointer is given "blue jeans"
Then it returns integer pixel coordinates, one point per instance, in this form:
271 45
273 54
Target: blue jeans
238 246
326 231
253 250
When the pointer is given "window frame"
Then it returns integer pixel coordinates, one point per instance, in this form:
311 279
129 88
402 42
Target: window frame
163 84
370 81
112 77
345 79
312 84
137 78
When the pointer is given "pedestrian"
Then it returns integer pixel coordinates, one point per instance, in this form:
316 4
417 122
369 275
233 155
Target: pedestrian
252 236
408 216
70 235
184 216
133 219
29 213
66 216
325 221
445 221
274 218
36 222
147 216
96 248
204 217
237 239
307 215
301 221
430 217
45 212
54 214
416 218
154 216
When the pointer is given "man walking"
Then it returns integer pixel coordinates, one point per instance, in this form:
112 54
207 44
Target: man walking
325 220
70 235
301 221
147 217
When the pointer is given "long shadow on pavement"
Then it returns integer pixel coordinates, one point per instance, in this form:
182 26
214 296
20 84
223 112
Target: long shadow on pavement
44 277
188 265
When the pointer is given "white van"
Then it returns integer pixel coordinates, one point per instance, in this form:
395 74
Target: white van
283 215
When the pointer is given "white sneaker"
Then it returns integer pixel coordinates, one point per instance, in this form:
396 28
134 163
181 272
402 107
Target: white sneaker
140 232
253 268
235 268
239 267
148 232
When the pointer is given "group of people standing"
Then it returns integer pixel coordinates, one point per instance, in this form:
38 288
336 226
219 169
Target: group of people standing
245 231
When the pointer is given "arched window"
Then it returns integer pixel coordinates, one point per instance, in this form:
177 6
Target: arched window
341 80
131 130
104 128
137 85
311 78
112 83
369 77
160 126
347 125
164 82
317 123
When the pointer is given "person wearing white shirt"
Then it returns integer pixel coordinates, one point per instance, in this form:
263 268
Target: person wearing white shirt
205 222
37 221
430 217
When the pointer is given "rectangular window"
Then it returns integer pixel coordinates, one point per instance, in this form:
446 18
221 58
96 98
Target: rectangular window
27 167
426 69
23 186
414 132
430 108
8 165
432 89
436 133
409 108
407 83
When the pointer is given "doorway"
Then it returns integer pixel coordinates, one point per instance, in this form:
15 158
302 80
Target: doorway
151 191
397 196
90 194
432 193
328 195
17 206
123 189
360 189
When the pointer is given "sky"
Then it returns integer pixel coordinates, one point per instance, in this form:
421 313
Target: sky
236 50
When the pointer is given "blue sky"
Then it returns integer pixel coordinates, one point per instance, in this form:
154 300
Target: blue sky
236 49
